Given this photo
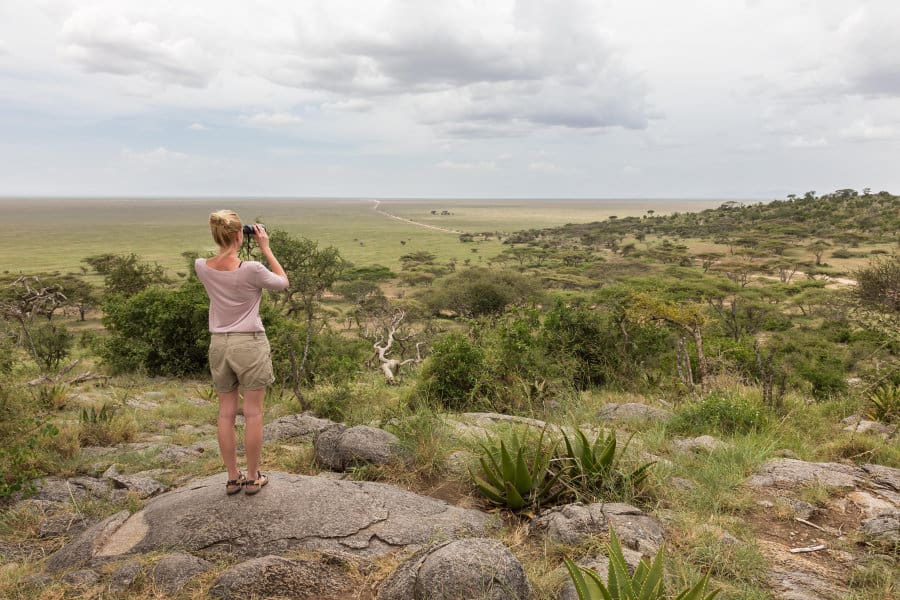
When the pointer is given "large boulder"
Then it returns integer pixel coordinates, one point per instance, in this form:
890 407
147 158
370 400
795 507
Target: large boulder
633 411
575 523
294 512
460 570
304 426
339 447
793 473
274 576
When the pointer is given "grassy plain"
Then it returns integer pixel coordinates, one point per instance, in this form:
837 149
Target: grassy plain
55 234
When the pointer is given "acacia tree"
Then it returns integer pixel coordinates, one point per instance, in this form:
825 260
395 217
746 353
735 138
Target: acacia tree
685 319
126 275
312 271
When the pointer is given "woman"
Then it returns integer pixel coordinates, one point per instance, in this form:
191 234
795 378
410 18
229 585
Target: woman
239 355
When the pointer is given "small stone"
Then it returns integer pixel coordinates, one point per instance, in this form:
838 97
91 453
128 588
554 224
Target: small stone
123 577
765 503
633 411
57 525
682 484
82 578
704 443
173 571
883 529
803 510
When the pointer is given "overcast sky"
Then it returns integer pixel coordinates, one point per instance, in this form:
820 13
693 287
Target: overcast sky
478 98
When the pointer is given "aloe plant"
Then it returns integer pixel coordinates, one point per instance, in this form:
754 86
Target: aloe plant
595 469
885 400
646 583
510 481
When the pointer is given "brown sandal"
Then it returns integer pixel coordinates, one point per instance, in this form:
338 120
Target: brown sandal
233 486
252 486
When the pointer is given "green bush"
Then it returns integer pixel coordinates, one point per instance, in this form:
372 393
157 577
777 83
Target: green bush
480 292
452 370
52 343
158 331
721 411
331 357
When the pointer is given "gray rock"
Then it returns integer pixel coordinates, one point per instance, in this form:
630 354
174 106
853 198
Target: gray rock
459 570
143 487
790 584
304 426
792 473
56 489
174 570
61 524
682 484
635 529
575 523
124 577
79 551
870 427
180 454
882 476
883 529
704 443
633 411
37 580
270 576
802 510
294 512
571 523
82 578
339 447
488 420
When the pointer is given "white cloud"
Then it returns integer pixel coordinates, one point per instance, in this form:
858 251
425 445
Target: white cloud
799 141
350 105
157 156
544 166
486 165
274 120
631 170
198 127
865 130
104 41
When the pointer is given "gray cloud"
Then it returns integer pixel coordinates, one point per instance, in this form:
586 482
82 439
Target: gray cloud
105 42
531 69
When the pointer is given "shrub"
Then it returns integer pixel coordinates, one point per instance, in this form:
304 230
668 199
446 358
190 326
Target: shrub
19 458
158 331
479 292
878 285
52 343
452 370
331 357
727 412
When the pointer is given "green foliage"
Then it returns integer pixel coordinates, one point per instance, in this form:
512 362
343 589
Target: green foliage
517 476
647 583
311 270
452 370
104 426
480 292
885 403
878 285
53 396
330 357
126 275
7 352
371 273
52 343
594 471
158 331
724 411
19 459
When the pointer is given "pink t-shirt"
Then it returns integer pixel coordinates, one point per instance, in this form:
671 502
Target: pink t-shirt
234 296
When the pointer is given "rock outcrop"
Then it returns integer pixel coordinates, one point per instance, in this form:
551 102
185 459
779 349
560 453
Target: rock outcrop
294 512
339 447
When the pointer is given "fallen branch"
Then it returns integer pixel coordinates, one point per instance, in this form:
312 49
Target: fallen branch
805 522
808 549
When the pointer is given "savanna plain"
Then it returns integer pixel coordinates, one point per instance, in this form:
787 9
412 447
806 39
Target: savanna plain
709 381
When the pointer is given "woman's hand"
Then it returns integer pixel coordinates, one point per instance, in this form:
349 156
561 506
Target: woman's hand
262 237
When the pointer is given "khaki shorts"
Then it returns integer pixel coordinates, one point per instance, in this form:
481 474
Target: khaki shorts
240 359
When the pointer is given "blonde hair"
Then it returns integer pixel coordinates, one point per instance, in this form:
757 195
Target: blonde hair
225 226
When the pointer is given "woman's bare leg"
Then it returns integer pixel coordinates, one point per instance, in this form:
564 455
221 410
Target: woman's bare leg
253 429
228 403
